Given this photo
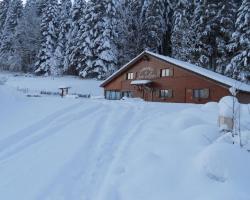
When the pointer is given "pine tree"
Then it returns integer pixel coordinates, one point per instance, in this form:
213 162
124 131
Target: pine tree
4 5
228 11
144 24
169 6
7 57
72 57
153 25
239 67
64 28
49 25
182 35
28 37
102 33
129 30
213 23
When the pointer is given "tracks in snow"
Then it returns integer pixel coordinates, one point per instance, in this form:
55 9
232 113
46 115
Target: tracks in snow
39 131
108 129
83 177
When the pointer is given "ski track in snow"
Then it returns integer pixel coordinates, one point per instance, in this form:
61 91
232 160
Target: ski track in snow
90 171
34 128
115 127
35 134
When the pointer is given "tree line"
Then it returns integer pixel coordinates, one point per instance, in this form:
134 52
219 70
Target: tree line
93 38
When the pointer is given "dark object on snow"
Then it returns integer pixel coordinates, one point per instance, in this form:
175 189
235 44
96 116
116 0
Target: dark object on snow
64 91
33 95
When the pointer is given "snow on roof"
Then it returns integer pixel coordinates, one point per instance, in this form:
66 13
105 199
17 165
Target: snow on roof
63 86
140 82
185 65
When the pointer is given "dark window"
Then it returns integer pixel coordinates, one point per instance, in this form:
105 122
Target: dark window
166 93
112 95
201 93
130 76
127 94
166 72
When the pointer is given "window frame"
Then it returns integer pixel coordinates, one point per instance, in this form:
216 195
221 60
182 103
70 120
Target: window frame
169 91
130 76
201 92
166 72
128 94
112 93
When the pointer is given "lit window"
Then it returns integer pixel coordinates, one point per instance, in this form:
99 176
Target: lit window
166 72
201 93
166 93
130 76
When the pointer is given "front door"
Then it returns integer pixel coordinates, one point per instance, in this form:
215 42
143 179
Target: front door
189 95
148 94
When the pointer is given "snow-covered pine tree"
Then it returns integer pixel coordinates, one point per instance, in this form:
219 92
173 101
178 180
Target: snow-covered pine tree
169 6
144 24
28 37
102 34
129 30
213 23
72 57
125 33
228 11
45 64
239 67
64 28
4 5
153 25
182 33
85 44
7 58
40 6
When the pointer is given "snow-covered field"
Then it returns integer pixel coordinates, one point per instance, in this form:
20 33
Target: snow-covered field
54 148
36 84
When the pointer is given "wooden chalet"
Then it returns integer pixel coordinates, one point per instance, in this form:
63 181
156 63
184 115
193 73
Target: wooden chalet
154 77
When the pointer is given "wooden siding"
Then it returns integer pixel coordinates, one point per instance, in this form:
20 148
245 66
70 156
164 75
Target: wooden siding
182 83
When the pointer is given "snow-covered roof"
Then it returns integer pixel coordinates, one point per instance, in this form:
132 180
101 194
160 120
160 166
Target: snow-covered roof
185 65
140 82
63 86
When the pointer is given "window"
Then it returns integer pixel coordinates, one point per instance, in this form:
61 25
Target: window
112 95
166 72
201 93
130 76
166 93
127 94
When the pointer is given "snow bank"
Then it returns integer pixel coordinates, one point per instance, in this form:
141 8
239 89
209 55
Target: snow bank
187 118
223 162
201 135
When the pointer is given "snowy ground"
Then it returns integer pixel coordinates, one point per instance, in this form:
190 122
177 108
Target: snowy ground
36 84
92 149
